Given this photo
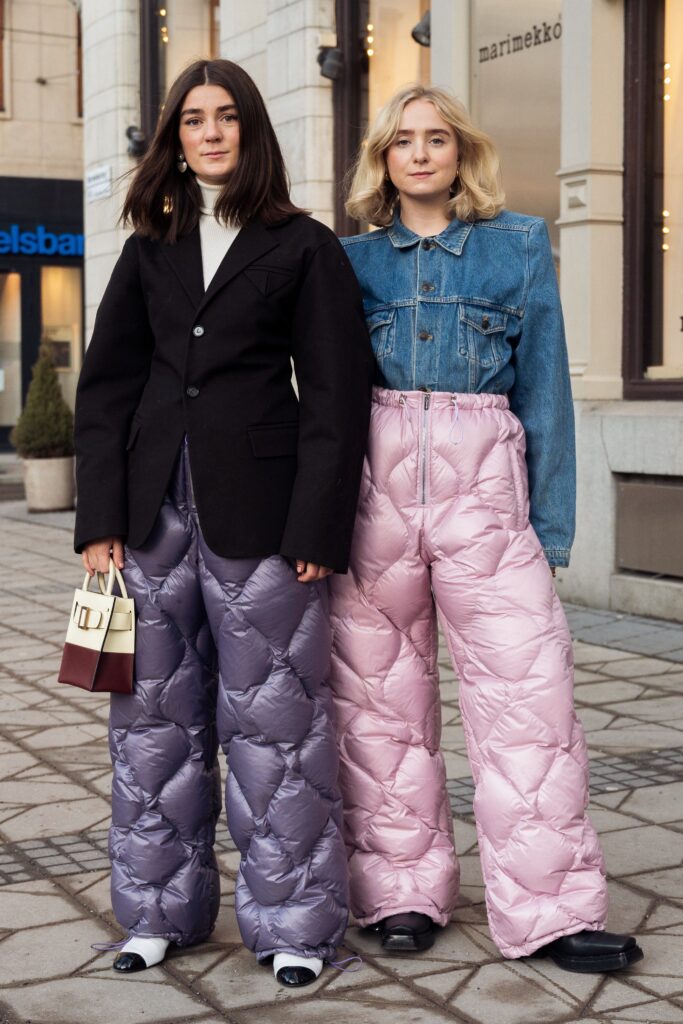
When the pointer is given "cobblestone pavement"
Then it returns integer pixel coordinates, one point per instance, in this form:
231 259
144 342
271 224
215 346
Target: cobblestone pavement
54 812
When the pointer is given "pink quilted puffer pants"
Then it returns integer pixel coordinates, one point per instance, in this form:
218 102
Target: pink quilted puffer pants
443 521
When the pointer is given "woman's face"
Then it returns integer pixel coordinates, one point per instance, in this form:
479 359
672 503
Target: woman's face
210 133
422 161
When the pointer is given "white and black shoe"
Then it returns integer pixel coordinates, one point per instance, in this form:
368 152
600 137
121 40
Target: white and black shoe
296 971
139 953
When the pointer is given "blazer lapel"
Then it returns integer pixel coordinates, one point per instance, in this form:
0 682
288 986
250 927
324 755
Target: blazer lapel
252 242
185 256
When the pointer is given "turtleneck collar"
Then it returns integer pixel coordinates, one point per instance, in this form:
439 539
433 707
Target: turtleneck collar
210 194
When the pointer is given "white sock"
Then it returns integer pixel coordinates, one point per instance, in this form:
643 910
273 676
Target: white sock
291 960
151 948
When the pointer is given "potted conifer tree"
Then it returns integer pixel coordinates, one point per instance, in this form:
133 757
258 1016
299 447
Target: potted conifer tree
43 438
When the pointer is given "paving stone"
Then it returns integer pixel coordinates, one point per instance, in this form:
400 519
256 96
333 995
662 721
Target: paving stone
444 983
49 951
239 981
649 1013
49 819
627 910
630 668
606 691
498 993
657 803
357 1007
100 1000
643 849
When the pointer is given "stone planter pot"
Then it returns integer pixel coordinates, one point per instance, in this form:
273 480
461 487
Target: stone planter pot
49 484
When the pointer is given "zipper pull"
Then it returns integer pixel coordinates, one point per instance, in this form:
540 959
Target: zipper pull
426 401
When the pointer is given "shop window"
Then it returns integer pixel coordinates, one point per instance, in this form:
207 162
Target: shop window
173 33
395 57
61 304
379 52
653 200
215 29
10 348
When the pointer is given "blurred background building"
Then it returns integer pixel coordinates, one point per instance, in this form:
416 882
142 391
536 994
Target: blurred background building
584 99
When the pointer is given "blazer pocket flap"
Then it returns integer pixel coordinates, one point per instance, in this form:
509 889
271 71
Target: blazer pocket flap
270 440
268 279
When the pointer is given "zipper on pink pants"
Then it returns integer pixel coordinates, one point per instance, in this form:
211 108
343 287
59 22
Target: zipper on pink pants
423 441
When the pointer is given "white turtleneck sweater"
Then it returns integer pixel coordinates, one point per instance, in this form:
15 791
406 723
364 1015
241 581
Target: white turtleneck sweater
216 237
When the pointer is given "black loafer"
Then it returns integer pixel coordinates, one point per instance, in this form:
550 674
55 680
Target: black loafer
592 952
407 933
128 963
295 977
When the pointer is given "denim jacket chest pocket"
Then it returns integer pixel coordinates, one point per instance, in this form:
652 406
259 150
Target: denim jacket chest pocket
482 334
382 328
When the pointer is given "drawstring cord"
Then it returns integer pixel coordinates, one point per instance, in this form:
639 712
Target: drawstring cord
104 947
349 959
455 422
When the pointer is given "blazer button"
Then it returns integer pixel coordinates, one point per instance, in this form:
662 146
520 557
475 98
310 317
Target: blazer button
191 392
198 331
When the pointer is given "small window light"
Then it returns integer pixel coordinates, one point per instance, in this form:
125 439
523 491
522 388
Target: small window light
665 213
665 230
666 97
665 247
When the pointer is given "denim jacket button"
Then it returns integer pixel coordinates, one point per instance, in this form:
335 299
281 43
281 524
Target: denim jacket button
425 336
427 286
463 351
485 321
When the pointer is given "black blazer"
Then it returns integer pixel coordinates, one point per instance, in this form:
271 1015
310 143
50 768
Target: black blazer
271 474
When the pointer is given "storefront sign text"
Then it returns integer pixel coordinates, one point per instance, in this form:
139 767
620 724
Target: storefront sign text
39 242
539 34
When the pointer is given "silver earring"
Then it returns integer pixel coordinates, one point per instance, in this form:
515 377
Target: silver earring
182 162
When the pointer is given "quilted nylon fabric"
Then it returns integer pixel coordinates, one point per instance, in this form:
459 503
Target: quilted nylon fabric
443 521
270 708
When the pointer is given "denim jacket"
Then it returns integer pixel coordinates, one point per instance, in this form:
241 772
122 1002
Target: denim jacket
477 309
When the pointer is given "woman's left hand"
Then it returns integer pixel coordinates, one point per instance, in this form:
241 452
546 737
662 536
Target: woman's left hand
309 571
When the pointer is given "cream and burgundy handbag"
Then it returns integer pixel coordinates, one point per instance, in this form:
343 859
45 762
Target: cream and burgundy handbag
100 640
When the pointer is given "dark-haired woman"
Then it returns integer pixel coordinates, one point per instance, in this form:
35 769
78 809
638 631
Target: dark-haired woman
234 500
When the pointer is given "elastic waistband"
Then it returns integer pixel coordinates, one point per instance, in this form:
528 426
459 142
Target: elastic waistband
413 399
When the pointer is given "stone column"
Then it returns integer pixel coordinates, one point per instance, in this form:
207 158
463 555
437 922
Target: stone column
111 104
277 43
591 270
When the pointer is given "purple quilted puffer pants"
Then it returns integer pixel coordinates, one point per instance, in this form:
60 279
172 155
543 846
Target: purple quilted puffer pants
269 707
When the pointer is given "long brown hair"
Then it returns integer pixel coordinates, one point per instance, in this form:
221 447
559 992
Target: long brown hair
163 203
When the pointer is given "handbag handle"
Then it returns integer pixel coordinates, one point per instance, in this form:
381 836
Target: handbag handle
114 574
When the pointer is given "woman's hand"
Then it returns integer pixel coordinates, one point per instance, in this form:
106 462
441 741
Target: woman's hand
309 571
96 555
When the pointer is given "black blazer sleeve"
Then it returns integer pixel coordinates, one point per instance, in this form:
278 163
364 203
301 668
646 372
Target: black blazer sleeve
114 373
334 367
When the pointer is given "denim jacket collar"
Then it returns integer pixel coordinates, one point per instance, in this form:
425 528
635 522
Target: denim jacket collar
452 238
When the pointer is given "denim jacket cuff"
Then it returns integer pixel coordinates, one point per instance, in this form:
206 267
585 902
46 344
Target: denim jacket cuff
557 556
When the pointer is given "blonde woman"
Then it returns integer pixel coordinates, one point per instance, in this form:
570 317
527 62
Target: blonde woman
466 507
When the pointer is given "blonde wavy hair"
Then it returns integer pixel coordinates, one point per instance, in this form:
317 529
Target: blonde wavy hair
372 196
